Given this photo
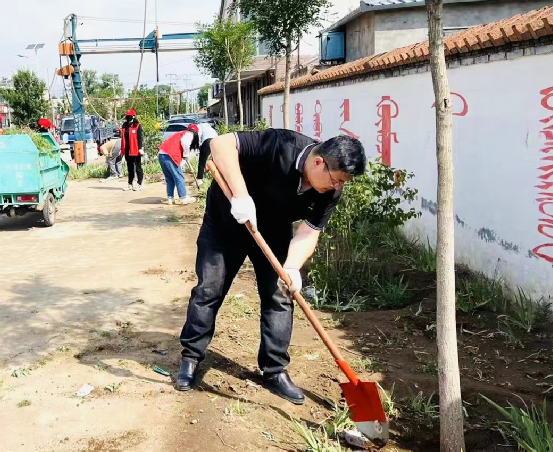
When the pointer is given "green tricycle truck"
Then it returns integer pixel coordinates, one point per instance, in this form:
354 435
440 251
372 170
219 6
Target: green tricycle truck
33 177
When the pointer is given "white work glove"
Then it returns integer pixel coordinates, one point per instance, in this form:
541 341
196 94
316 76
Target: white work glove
295 277
141 151
243 210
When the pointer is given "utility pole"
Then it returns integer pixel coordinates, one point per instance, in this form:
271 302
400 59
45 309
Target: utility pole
171 84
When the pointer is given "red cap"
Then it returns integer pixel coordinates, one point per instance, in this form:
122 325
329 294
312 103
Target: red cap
45 122
131 112
194 128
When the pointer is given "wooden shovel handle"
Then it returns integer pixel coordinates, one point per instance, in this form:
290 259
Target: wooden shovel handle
344 366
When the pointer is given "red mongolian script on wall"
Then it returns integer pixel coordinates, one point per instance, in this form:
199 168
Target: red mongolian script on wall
270 116
299 117
317 124
458 111
345 114
385 135
545 199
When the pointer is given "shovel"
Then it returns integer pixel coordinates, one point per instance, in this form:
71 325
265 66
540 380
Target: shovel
362 397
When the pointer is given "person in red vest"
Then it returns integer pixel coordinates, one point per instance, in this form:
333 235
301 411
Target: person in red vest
171 153
44 125
133 150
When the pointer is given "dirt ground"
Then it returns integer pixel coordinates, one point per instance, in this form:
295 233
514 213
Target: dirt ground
90 299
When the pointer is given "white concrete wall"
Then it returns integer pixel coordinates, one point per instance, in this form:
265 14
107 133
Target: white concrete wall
497 141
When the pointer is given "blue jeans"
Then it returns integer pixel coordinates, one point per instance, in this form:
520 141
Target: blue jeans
173 176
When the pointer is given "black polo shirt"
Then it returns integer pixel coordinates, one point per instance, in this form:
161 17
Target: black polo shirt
272 164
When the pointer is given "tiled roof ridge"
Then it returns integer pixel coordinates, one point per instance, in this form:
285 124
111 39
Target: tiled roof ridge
521 27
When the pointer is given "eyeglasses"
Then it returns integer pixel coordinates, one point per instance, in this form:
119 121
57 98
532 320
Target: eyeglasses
335 183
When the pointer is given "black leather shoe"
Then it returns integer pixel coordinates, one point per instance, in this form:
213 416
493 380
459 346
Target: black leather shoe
185 377
281 385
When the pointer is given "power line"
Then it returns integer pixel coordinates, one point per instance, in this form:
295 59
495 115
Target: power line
143 45
107 19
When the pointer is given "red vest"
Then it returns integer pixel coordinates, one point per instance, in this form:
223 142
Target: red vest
133 140
173 148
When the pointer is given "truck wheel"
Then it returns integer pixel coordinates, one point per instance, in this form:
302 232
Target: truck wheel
49 211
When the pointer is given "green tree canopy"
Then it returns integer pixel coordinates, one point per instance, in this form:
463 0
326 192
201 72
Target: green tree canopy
26 98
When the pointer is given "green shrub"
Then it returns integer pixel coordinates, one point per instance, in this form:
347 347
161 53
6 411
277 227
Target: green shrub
371 208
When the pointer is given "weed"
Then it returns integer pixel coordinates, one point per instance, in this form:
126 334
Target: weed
479 293
113 387
241 308
423 258
21 372
316 440
526 313
361 364
429 368
173 218
175 300
95 171
425 408
510 336
527 427
106 334
236 409
390 292
338 421
390 406
24 403
370 207
101 171
101 366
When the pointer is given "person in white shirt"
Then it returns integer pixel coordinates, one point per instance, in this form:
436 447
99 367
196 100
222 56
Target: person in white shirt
171 154
206 134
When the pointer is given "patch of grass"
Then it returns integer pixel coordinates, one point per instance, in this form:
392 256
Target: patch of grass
362 363
101 366
424 408
176 300
151 167
106 334
95 171
241 308
391 407
173 218
236 409
526 427
526 313
480 293
21 372
325 437
338 421
429 368
24 403
44 360
511 338
113 387
390 292
101 170
316 440
422 258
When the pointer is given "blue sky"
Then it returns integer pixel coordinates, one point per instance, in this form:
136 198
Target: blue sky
27 22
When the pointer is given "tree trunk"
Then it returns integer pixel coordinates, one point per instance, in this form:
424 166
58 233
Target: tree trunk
241 112
225 105
286 102
451 405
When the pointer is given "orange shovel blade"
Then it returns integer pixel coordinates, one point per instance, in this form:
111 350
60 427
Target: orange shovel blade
366 409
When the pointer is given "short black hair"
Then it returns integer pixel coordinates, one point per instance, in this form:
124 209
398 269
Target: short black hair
344 154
